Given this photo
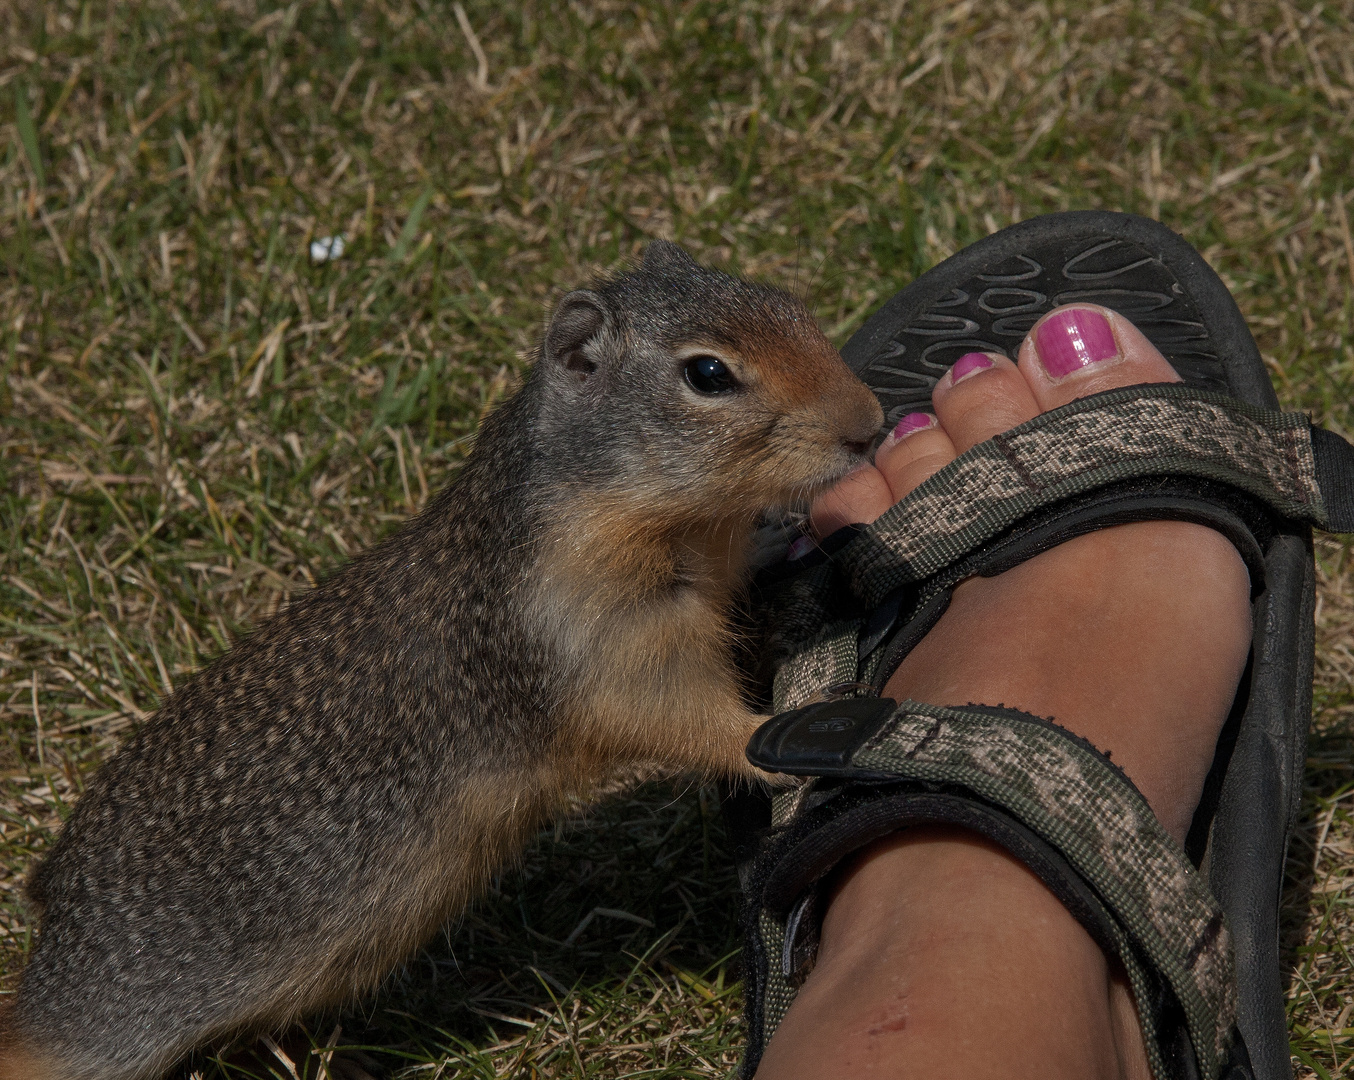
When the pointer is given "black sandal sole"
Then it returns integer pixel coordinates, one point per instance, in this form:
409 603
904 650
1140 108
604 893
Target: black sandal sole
987 298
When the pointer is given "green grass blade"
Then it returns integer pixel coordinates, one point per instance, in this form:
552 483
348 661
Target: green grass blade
28 134
410 231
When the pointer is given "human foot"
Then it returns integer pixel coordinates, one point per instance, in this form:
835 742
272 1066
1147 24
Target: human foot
1168 600
1133 637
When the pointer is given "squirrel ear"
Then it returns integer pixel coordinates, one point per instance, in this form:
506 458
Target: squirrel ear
661 253
577 320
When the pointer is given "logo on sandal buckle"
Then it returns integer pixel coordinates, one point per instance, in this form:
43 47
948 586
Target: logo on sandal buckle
834 723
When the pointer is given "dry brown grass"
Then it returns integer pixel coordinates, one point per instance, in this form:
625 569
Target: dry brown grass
198 420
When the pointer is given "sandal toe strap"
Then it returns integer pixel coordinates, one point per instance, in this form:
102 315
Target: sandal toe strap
1119 435
1132 454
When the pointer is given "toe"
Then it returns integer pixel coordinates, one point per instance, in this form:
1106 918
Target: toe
982 395
914 450
860 496
1083 349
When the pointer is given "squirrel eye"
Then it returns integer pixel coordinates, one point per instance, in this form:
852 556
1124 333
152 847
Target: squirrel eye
709 375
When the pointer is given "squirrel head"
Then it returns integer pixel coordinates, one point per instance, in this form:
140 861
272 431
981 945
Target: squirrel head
697 392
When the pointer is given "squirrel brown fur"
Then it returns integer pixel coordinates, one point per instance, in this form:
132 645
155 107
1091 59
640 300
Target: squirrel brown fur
307 810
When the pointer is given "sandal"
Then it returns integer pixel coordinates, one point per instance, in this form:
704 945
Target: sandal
1195 928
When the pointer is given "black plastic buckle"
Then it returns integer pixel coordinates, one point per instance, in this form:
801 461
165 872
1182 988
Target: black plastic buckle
820 739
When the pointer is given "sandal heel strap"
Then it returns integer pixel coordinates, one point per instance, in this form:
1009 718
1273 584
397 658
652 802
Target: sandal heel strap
1139 895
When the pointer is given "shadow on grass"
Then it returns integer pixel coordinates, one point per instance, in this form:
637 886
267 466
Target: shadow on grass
641 892
605 910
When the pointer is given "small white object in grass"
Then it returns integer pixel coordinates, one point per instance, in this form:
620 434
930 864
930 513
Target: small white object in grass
326 248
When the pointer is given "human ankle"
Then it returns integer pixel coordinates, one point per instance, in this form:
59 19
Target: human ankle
923 878
929 929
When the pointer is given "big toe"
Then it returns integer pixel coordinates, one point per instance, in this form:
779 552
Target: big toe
1082 349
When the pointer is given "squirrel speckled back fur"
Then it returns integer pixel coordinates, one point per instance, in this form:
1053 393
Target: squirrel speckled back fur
307 810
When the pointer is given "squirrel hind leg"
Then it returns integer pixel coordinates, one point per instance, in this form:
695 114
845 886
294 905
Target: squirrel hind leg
24 1059
15 1064
90 1028
21 1059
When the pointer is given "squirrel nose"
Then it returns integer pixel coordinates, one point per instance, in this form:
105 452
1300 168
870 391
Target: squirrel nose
861 418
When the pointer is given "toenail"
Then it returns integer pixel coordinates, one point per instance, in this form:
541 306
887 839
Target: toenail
800 548
1068 341
969 364
913 421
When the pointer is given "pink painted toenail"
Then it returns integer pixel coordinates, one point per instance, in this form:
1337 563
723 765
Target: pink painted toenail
967 364
1068 341
913 421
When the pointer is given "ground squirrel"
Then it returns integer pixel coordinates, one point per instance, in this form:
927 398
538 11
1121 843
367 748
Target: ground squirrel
307 810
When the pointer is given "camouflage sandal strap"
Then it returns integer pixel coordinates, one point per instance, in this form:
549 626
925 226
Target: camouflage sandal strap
1121 435
1046 795
1135 453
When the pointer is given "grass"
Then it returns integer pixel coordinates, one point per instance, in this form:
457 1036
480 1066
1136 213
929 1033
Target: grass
196 419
